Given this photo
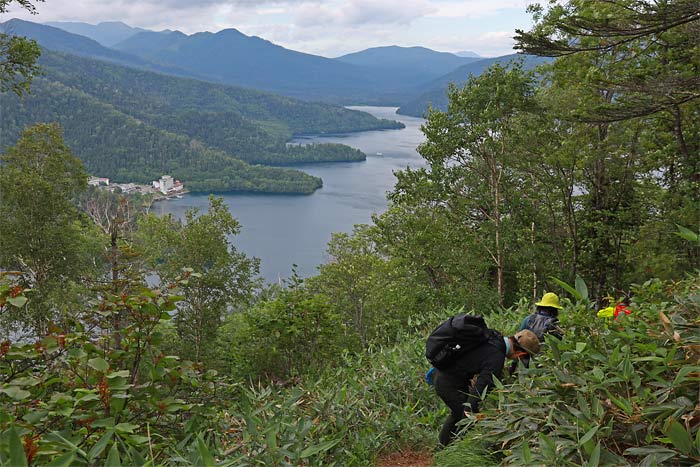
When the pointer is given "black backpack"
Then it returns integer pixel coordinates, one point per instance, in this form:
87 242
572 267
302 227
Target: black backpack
453 338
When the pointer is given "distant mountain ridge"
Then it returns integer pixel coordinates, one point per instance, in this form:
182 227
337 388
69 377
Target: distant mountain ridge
415 65
106 33
231 57
59 40
468 53
408 77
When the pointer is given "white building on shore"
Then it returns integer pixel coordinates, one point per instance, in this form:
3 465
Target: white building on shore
167 185
98 181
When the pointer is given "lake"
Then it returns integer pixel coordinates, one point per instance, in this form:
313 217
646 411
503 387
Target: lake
283 230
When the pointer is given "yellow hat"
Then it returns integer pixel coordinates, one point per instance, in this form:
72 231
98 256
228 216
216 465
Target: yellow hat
550 299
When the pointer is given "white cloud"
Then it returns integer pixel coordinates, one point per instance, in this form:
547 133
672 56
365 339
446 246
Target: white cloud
326 27
477 8
359 13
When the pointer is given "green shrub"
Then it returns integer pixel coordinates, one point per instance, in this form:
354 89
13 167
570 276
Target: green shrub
288 336
90 397
612 392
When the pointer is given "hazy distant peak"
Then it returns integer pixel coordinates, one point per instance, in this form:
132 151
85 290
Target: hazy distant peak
106 33
468 53
115 23
231 32
174 32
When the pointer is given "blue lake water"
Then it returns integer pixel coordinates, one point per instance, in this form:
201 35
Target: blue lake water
283 230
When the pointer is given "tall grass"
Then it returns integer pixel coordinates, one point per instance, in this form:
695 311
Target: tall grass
347 415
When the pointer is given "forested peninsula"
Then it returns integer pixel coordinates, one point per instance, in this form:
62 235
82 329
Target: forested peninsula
133 126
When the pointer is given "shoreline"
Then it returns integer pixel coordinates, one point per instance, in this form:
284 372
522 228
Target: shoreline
167 197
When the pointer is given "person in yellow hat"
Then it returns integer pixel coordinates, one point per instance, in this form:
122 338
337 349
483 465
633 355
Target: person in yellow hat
545 320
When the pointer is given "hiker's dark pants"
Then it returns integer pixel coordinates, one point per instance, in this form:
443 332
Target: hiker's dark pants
455 395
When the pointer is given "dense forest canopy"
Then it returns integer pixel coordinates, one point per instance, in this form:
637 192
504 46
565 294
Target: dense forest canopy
535 182
134 126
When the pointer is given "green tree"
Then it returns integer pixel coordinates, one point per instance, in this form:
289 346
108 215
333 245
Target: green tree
436 263
295 333
42 233
221 277
358 278
627 79
473 153
18 55
657 43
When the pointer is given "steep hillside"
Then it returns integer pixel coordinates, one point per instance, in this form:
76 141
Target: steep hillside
121 147
434 93
247 123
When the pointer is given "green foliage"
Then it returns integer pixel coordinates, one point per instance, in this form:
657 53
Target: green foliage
366 288
465 452
80 398
473 187
578 292
42 233
688 234
626 79
295 333
433 262
611 392
361 407
218 276
18 55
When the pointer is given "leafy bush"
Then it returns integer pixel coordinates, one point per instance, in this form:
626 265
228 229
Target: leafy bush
76 398
612 392
290 335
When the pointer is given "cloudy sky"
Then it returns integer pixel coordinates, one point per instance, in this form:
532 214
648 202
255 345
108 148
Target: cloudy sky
324 27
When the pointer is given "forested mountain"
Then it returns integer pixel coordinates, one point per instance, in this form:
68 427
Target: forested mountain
125 149
410 65
230 56
134 125
106 33
390 75
435 92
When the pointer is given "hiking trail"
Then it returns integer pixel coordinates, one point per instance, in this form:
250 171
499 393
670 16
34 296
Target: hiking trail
405 459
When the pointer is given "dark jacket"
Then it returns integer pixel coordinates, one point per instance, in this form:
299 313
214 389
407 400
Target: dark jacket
487 361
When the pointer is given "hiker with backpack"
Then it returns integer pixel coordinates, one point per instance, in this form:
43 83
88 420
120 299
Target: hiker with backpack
545 320
461 348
